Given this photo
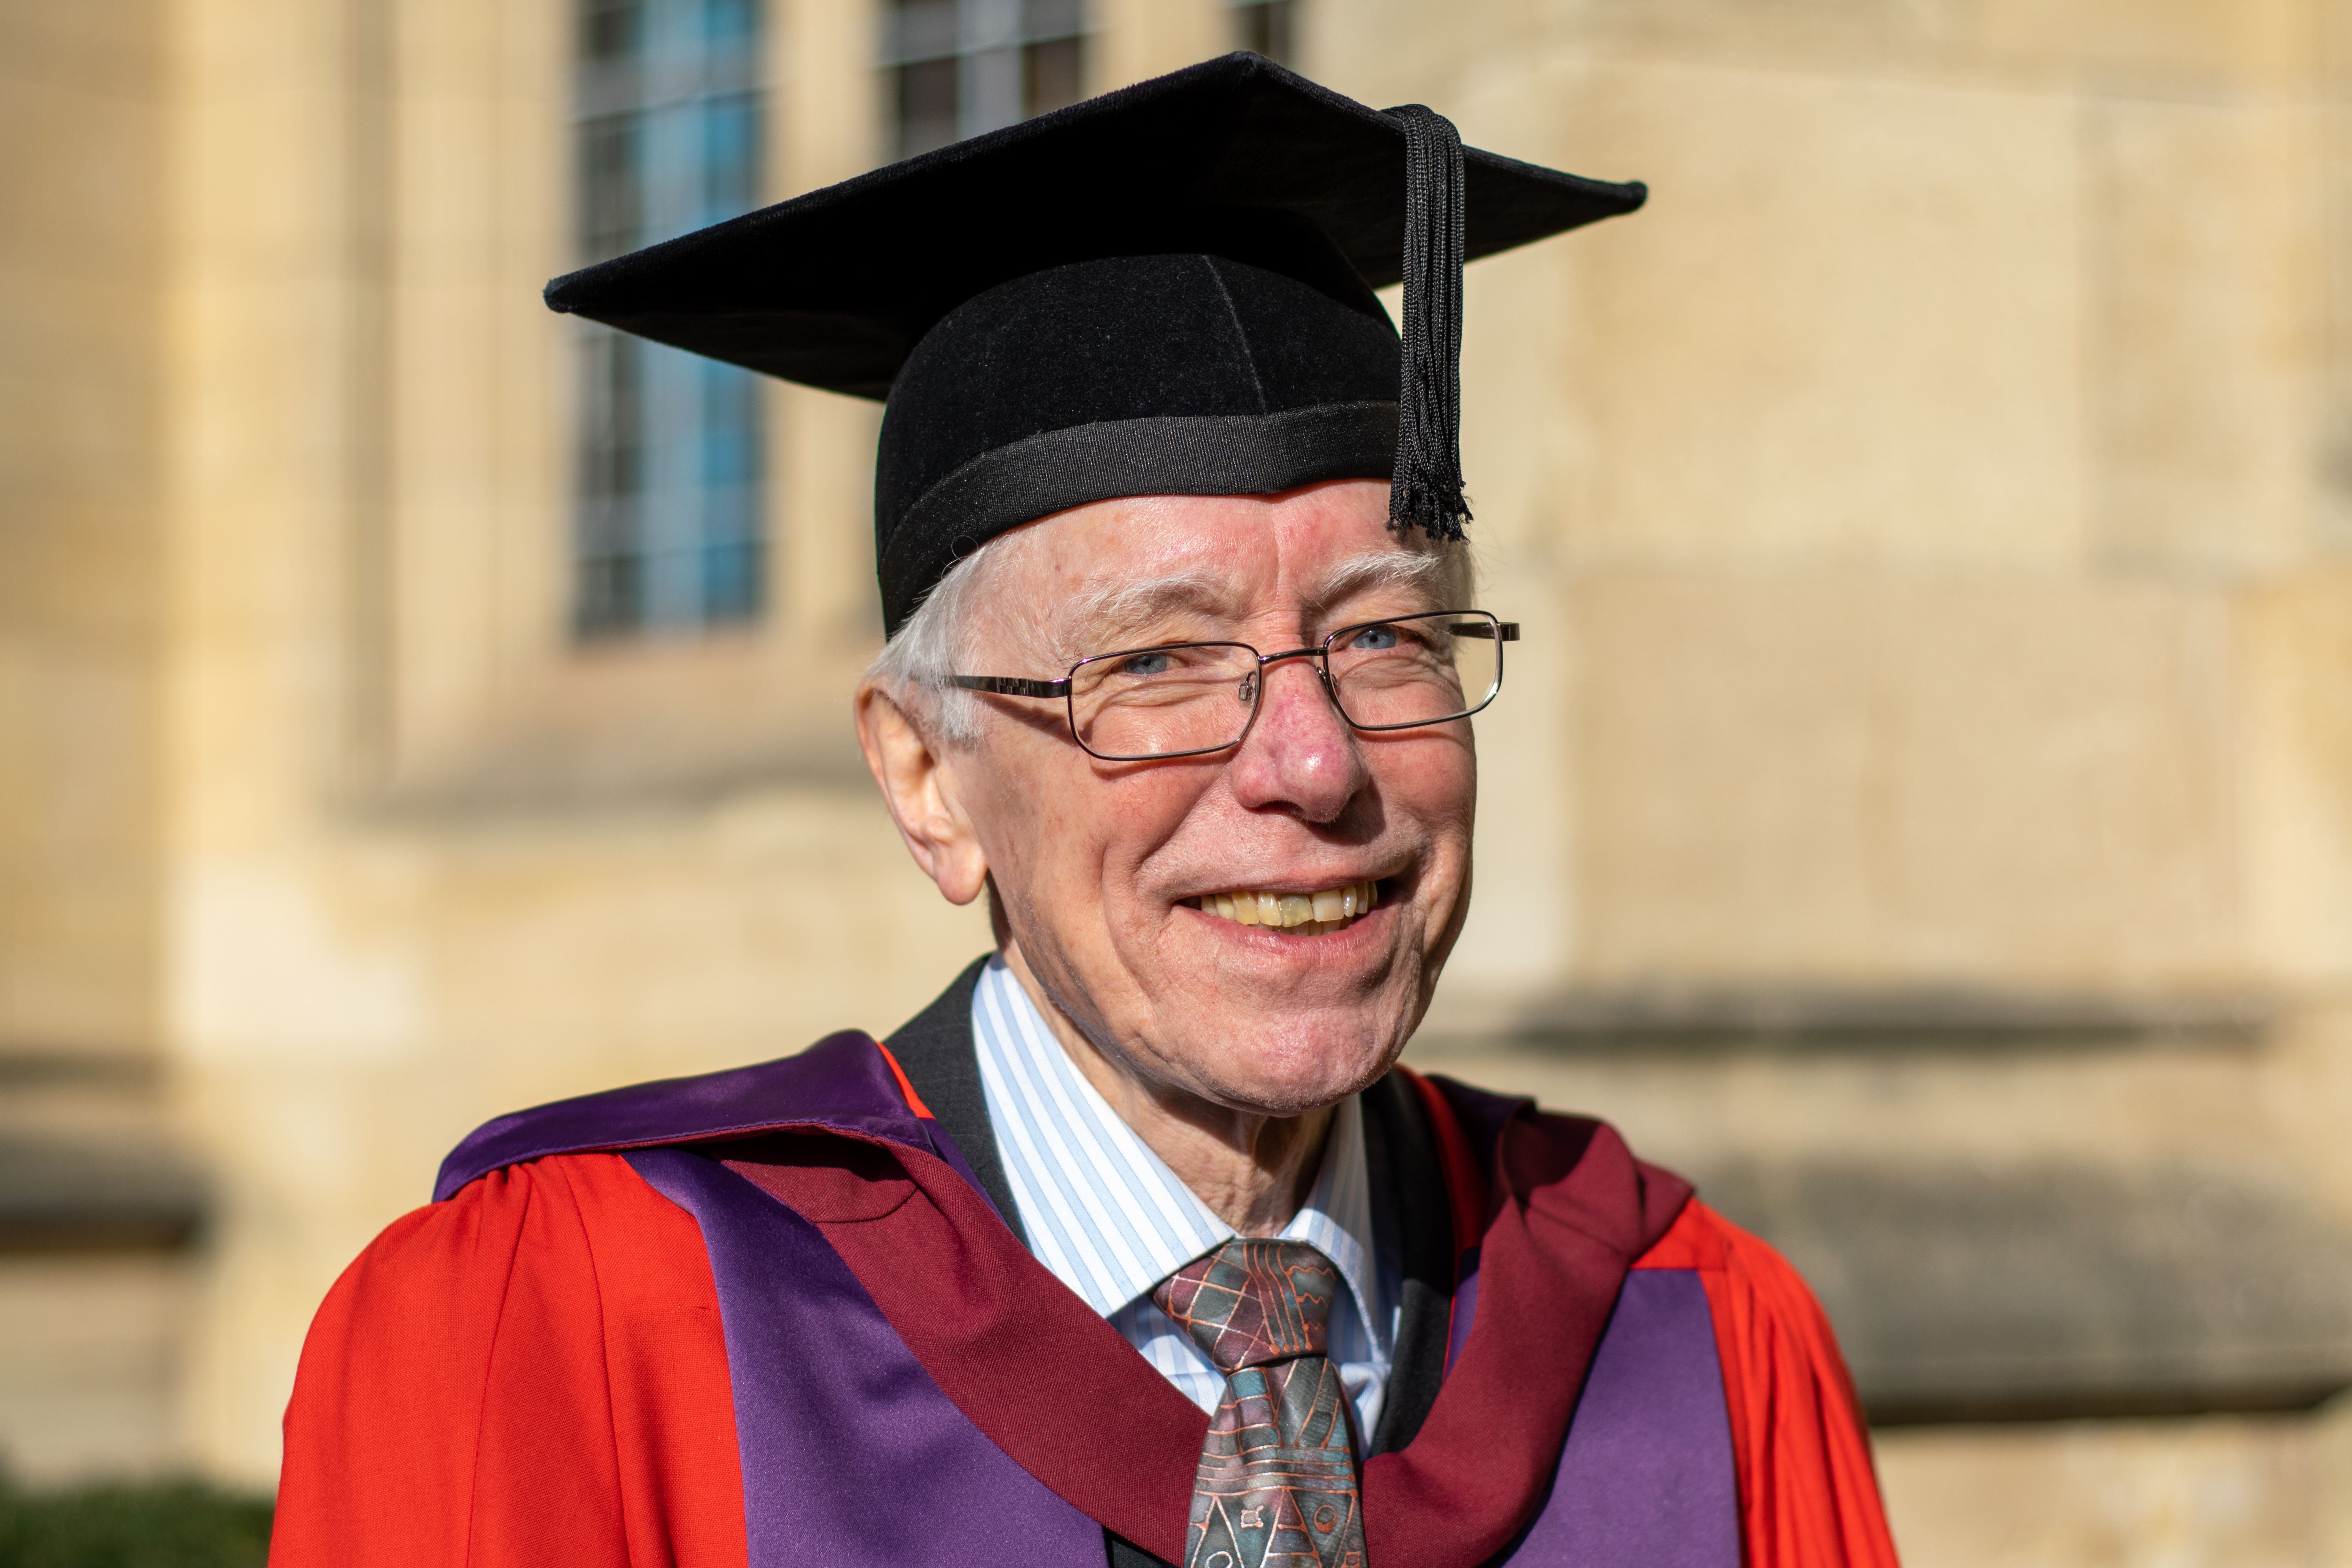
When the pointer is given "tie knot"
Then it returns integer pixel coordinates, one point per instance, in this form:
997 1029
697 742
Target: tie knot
1252 1302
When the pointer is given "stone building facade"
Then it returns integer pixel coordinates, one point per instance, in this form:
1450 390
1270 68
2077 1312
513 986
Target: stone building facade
1921 809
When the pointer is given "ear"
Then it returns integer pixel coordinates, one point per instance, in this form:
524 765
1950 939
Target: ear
918 785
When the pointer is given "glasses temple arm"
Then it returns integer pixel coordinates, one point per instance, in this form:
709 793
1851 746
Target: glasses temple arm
1009 685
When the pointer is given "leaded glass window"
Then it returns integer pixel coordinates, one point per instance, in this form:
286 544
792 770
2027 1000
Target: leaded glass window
669 534
957 67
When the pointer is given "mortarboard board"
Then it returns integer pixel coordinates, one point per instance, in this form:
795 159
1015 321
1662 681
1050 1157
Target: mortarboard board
1166 289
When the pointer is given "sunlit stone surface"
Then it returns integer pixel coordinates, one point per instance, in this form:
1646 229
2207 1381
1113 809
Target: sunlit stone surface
1921 806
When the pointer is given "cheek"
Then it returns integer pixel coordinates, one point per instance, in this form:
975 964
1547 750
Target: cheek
1028 809
1072 833
1435 780
1140 816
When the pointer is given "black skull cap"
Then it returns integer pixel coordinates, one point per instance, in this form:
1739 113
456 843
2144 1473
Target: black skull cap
1164 291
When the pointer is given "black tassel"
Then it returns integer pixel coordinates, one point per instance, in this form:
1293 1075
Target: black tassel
1426 490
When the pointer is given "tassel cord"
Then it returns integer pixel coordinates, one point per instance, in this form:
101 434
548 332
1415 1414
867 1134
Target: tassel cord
1426 490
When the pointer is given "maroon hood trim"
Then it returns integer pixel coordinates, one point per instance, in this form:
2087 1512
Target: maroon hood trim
1056 1387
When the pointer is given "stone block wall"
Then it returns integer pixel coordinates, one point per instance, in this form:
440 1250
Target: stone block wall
1921 807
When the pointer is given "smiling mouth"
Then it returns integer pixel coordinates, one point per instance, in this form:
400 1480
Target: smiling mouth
1304 914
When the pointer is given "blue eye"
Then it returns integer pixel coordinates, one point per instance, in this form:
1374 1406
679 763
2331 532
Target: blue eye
1146 664
1374 638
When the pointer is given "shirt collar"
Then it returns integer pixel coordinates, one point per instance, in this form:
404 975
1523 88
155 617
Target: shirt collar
1103 1212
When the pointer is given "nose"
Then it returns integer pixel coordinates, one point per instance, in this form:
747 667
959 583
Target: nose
1299 754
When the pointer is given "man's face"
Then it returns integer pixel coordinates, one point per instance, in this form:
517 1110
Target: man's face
1099 866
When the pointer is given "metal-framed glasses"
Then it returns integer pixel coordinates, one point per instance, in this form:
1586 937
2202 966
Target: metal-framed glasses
1185 699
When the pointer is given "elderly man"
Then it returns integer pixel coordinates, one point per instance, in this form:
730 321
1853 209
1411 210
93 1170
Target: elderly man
1138 1244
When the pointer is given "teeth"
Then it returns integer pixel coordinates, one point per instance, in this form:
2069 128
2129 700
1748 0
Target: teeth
1309 914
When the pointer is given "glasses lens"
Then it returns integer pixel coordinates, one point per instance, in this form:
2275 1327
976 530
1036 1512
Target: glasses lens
1421 670
1160 701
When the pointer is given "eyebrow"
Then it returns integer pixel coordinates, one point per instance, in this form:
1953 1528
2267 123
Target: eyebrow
1376 569
1112 606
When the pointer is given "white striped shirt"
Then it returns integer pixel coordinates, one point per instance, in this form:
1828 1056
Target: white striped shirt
1111 1220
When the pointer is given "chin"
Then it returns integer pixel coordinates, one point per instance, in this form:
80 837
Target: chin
1293 1070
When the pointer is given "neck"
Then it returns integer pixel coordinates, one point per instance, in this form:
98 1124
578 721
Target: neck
1252 1170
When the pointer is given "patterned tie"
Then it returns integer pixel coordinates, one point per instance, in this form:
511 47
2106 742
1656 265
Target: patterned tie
1276 1487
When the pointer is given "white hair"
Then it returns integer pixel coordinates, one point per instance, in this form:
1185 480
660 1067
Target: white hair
933 643
938 640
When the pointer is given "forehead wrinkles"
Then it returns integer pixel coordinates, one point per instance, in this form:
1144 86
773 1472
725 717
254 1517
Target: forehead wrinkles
1106 609
1050 616
1036 607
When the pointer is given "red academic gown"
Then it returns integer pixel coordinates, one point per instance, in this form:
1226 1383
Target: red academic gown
572 1357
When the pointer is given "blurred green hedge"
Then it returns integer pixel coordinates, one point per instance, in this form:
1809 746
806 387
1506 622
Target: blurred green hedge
159 1524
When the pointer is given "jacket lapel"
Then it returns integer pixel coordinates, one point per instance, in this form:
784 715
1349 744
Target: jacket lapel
1411 1223
935 1051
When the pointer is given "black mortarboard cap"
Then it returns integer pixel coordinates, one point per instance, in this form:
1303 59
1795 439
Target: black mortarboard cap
1166 290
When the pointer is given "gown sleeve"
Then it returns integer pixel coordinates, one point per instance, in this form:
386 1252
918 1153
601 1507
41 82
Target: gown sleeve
1807 1489
531 1371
